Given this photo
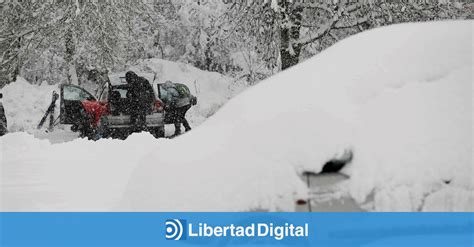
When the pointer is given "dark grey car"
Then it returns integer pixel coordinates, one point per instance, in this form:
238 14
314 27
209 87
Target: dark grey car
3 119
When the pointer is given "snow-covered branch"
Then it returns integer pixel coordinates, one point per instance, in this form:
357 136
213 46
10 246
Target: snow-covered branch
322 32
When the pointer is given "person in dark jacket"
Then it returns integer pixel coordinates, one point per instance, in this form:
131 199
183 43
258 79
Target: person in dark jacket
141 98
3 119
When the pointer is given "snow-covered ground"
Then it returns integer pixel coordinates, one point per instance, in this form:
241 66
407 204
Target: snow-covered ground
399 97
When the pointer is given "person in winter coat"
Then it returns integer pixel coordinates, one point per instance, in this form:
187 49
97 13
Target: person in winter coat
178 105
141 97
3 119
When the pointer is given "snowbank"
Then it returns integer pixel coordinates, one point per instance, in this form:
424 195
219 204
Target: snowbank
74 176
416 142
400 97
25 104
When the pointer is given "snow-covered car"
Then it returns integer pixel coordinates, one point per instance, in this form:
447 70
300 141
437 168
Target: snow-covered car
3 119
107 114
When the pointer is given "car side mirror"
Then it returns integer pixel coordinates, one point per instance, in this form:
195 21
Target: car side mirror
1 95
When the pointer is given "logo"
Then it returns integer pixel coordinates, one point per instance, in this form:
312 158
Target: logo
175 229
178 229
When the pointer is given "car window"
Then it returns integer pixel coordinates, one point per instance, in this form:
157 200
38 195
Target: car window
76 94
121 91
163 92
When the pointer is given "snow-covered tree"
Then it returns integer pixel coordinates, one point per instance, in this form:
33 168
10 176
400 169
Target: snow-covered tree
69 41
82 35
318 24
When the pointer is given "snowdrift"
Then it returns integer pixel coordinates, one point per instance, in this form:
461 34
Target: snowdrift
399 97
25 104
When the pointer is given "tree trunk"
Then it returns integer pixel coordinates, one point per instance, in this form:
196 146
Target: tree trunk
289 55
16 70
69 57
289 34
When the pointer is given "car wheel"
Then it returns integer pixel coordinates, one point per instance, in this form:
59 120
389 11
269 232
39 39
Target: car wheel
158 132
120 134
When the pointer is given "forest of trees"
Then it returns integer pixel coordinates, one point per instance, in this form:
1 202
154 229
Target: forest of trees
68 41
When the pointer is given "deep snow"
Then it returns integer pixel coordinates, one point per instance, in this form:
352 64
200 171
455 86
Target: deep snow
25 104
400 97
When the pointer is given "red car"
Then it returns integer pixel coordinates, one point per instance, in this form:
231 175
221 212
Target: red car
108 114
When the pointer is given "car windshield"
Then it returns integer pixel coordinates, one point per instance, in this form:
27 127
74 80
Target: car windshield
75 93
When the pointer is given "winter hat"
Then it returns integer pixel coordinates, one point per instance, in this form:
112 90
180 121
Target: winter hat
130 76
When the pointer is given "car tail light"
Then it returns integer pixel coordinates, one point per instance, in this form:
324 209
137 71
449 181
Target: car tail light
158 106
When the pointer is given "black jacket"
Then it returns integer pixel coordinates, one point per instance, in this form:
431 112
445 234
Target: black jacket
141 93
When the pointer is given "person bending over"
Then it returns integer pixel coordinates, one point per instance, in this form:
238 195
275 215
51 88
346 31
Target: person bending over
141 98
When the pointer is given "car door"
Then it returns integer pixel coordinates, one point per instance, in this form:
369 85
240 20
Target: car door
71 103
160 91
103 95
163 96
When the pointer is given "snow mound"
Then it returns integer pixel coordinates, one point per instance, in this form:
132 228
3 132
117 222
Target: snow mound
25 104
399 97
